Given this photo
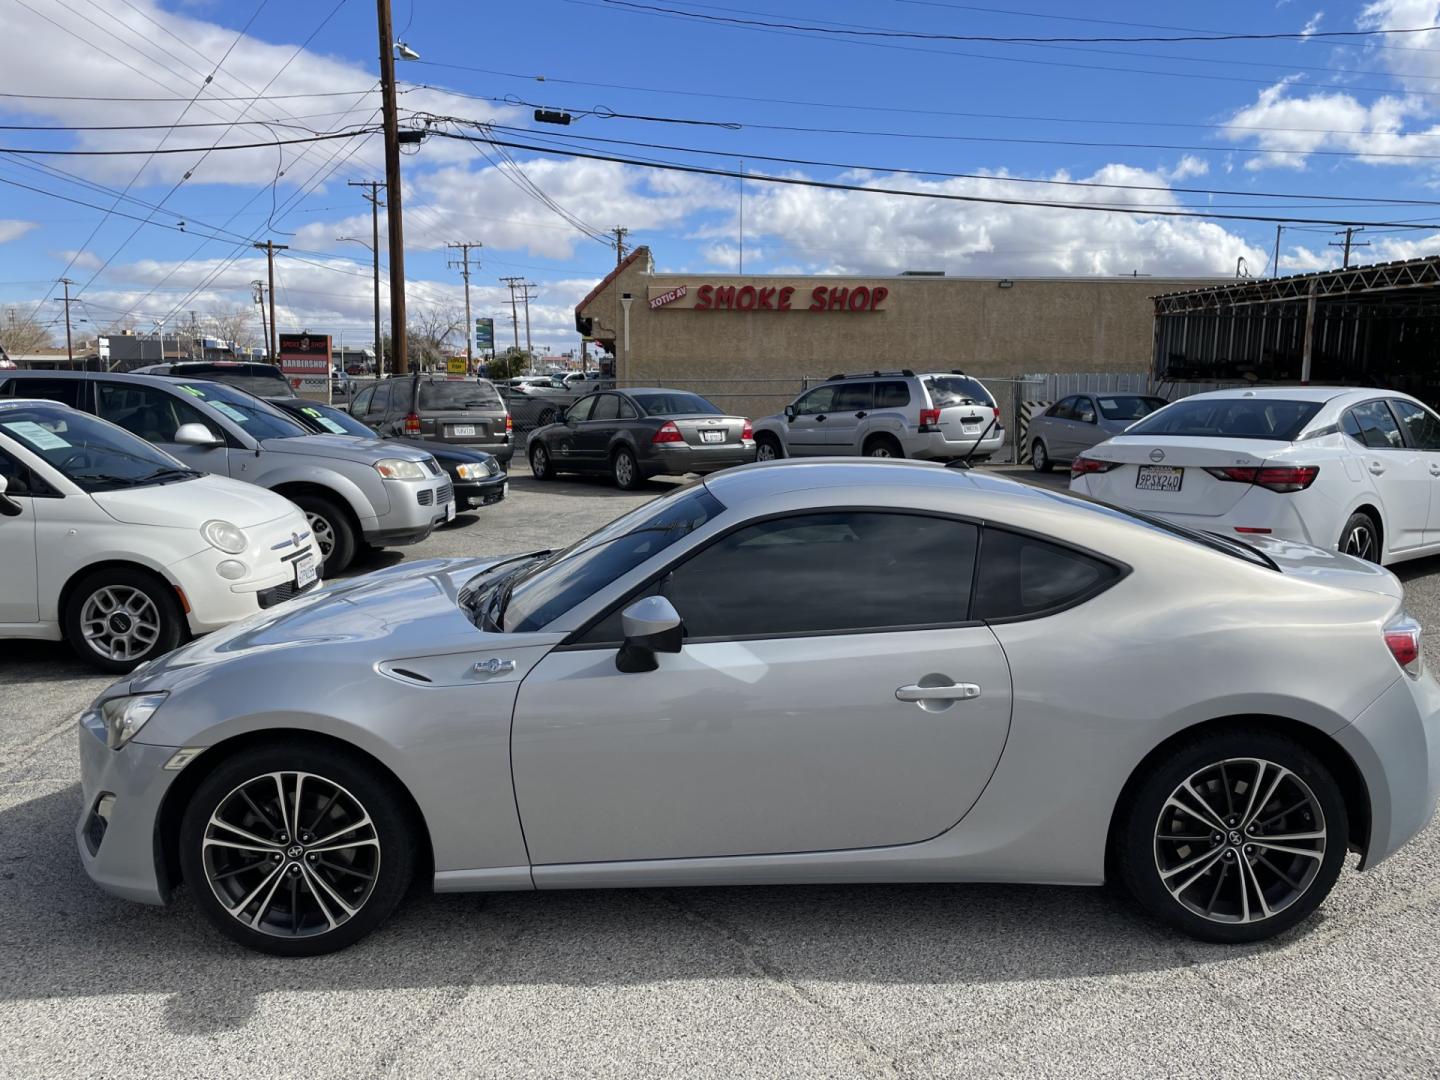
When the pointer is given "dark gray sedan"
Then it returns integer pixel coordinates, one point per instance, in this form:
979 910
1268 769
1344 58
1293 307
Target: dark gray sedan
1074 424
638 433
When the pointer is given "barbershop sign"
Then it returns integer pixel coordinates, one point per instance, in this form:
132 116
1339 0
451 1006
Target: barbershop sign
807 298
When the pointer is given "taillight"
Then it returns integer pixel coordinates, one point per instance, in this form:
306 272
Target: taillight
1083 466
997 414
412 424
1402 638
1282 478
929 420
668 433
747 432
509 424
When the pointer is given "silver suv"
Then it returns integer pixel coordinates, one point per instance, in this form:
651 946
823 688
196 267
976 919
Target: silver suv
936 416
352 490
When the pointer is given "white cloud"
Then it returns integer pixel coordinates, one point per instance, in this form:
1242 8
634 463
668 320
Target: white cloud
11 229
727 256
1188 166
1301 259
1313 25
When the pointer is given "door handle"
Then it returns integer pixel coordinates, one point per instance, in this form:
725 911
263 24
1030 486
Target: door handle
861 415
1435 470
953 692
820 418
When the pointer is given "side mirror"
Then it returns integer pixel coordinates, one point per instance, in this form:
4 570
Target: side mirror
197 435
791 412
651 626
1087 417
8 506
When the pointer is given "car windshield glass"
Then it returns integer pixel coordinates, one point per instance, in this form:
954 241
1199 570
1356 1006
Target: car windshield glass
1230 418
332 421
541 593
260 421
674 403
96 455
1128 406
946 390
458 395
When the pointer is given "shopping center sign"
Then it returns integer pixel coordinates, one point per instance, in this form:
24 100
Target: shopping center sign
808 298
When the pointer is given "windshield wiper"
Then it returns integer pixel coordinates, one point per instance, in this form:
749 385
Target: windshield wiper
105 478
472 600
173 473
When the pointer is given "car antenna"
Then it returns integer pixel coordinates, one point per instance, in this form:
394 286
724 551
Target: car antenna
964 462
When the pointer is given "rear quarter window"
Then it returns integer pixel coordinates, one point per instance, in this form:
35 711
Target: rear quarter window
1023 576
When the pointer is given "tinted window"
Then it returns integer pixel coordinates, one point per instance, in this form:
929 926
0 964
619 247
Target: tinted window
1085 410
675 403
817 401
1022 575
265 384
855 397
65 391
1231 418
891 395
21 479
381 403
458 395
947 390
580 410
97 456
607 407
151 413
362 401
1128 406
1421 425
627 411
1063 409
1372 424
819 573
260 421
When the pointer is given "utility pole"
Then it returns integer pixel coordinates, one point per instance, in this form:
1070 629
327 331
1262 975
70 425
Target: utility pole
620 235
464 249
270 248
69 344
373 198
399 364
514 312
1349 242
1275 262
258 291
527 286
195 336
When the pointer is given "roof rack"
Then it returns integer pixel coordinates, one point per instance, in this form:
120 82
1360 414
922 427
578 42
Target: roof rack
903 373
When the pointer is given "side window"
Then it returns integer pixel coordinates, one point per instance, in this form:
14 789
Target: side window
581 409
607 407
1063 409
627 411
851 571
152 414
362 401
1421 425
65 391
855 397
20 480
380 404
817 401
891 395
1372 424
1023 575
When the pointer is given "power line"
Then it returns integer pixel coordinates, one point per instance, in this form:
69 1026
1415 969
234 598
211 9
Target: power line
266 97
187 149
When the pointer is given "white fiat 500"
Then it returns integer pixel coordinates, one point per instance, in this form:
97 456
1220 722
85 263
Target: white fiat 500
1352 470
115 546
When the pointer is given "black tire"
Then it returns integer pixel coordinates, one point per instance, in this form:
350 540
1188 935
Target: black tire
540 463
768 448
624 470
330 524
1040 457
142 618
1150 833
392 830
1360 537
883 446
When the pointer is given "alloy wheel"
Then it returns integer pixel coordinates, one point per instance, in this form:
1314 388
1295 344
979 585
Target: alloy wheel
766 451
539 461
324 533
120 622
291 854
1360 542
881 450
1039 459
624 470
1239 841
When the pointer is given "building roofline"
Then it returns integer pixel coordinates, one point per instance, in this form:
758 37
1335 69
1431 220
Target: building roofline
1373 277
620 268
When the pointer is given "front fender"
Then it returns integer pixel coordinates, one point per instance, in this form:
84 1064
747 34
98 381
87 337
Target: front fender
368 502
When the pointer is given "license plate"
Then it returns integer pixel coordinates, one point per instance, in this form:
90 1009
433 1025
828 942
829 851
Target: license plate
1159 478
461 430
450 510
305 572
712 436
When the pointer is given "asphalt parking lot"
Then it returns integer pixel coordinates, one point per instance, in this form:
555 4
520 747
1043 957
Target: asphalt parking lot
806 981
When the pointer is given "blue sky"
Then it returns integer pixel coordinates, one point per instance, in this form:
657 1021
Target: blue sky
1299 118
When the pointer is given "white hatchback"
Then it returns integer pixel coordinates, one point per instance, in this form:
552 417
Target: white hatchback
1354 470
112 544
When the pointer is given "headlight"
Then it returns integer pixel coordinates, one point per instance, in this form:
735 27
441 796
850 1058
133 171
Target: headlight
400 469
223 535
125 716
474 470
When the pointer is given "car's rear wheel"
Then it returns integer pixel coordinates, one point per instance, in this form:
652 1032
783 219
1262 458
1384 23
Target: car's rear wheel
332 530
883 446
1361 538
767 448
625 471
1040 457
1233 836
540 462
121 616
296 850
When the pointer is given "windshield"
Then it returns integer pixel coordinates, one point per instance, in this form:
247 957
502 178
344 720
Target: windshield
946 390
1230 418
332 421
260 421
674 403
95 454
1128 406
539 594
458 395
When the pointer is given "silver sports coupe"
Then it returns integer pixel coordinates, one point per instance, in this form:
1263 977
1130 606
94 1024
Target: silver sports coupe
842 671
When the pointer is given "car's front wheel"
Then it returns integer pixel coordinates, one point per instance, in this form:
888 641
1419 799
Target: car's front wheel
296 850
1039 457
331 527
540 462
767 448
1232 836
121 616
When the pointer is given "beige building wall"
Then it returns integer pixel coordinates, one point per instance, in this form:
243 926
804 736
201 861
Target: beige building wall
759 359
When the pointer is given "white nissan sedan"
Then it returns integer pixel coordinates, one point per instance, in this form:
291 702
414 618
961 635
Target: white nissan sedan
1353 470
115 546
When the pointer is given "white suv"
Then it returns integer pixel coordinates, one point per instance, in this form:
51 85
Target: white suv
939 416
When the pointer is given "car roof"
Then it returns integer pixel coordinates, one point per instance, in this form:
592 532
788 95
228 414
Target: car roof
1318 394
32 401
121 376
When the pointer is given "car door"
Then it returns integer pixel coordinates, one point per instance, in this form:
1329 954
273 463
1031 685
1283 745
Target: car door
1421 428
830 694
155 414
1399 473
19 588
377 415
593 435
805 431
561 438
1062 434
846 423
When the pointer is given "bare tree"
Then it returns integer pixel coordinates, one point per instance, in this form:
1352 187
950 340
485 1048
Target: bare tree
21 333
233 324
431 328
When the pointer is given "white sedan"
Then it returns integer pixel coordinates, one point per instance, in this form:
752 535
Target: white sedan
1352 470
115 546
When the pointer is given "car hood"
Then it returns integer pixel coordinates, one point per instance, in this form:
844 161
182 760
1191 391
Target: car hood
344 448
187 504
